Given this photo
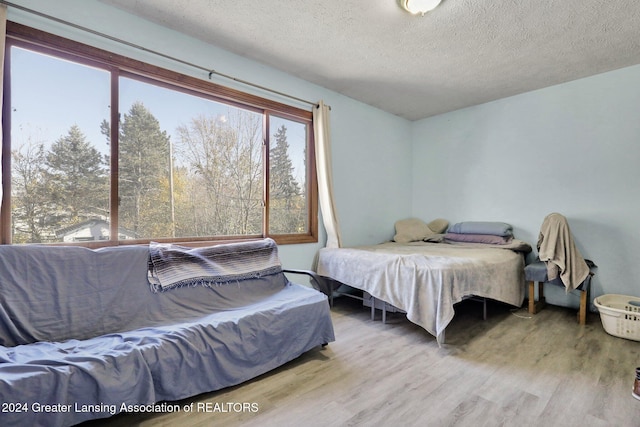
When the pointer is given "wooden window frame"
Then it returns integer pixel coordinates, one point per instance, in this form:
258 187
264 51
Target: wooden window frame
46 43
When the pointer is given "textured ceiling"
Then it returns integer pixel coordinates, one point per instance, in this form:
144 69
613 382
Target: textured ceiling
463 53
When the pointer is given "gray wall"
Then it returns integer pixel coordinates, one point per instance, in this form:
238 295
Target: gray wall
572 148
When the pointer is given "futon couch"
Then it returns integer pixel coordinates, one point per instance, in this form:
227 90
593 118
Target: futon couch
88 333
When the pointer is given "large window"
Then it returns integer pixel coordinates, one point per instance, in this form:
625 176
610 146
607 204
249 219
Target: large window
99 147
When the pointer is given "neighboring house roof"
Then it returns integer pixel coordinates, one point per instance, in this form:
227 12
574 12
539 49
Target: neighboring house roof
91 229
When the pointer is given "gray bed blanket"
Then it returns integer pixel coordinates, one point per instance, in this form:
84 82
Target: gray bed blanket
427 279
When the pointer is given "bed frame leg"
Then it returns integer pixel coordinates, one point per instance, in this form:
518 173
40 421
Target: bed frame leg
373 307
384 312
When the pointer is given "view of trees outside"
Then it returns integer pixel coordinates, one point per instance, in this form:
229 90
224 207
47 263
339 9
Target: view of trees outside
187 166
222 166
287 195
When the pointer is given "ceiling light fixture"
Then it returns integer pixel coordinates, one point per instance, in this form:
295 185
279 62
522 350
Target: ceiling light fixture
419 6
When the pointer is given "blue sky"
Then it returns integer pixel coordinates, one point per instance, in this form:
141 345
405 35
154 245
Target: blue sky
49 95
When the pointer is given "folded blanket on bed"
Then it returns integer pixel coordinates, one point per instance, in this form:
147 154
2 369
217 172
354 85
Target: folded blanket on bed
482 227
478 238
172 266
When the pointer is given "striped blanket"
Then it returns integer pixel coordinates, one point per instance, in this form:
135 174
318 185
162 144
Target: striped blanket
172 266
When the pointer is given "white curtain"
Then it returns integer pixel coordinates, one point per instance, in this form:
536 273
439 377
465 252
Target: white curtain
3 33
322 136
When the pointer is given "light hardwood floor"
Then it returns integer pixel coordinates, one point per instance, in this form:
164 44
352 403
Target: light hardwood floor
511 370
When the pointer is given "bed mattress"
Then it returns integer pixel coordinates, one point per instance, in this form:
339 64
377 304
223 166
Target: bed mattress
427 279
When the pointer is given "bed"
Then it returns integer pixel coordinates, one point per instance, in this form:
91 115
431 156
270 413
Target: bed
426 279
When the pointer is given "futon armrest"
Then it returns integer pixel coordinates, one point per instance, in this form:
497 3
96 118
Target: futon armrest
321 283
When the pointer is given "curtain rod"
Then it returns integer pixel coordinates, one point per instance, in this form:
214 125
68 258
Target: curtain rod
133 45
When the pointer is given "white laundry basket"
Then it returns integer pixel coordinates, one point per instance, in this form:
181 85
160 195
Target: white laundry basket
620 315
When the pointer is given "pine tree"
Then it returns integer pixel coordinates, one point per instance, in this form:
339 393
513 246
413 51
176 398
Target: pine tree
77 178
282 184
284 190
143 170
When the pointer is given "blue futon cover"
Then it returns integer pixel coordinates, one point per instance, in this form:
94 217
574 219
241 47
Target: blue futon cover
82 336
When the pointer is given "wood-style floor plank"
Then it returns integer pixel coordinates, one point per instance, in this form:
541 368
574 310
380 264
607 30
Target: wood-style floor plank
513 369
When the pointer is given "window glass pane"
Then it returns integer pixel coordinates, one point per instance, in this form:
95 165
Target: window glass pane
189 166
59 174
287 177
188 162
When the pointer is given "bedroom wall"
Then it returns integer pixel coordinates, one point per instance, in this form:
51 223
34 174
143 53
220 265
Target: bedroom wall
572 148
371 148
